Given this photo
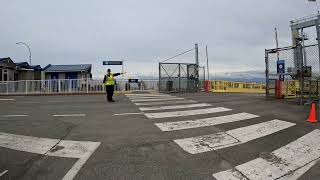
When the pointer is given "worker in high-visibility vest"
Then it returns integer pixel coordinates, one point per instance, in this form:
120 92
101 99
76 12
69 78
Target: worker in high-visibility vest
109 82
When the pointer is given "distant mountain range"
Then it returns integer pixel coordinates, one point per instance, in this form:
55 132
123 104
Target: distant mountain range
245 76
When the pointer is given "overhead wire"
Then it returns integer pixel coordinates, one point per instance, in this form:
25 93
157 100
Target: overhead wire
177 55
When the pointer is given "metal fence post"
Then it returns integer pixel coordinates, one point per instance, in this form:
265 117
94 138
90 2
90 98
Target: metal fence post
69 85
267 73
159 76
318 37
59 85
87 85
301 74
179 66
26 83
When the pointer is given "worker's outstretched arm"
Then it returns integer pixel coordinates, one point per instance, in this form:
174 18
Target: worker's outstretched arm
117 74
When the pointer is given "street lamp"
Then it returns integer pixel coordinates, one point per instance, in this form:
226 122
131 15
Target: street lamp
316 4
25 44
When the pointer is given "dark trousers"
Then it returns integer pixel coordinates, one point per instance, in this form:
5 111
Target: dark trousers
109 90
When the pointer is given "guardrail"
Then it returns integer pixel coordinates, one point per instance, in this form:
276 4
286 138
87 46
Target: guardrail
234 87
71 86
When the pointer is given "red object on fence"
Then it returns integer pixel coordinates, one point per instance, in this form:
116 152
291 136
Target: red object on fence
207 86
278 89
312 116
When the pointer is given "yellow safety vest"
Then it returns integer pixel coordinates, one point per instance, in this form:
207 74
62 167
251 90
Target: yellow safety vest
110 80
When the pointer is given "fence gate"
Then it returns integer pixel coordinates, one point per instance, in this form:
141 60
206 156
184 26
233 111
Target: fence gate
300 78
178 77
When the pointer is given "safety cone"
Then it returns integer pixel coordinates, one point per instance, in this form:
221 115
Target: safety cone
312 117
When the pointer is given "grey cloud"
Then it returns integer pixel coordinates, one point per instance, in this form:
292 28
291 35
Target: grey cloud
144 31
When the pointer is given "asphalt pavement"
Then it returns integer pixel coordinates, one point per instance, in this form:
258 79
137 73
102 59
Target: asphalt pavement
191 136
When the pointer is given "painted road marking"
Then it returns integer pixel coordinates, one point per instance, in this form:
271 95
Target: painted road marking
200 144
154 95
68 115
81 150
174 107
186 113
7 99
286 163
149 97
165 102
179 125
124 114
15 115
3 173
150 100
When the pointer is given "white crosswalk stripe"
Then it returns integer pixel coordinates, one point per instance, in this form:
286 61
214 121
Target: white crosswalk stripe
158 99
196 145
174 107
152 95
165 102
186 113
189 124
287 163
82 150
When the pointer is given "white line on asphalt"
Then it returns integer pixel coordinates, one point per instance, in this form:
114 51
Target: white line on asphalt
186 113
155 95
124 114
52 147
286 163
150 100
200 144
179 125
174 107
69 115
165 103
149 97
7 99
3 173
15 115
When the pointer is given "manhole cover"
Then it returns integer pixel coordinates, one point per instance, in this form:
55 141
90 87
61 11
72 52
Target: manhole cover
267 156
56 148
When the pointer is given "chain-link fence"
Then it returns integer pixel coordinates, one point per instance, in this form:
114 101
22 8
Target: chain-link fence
178 77
299 78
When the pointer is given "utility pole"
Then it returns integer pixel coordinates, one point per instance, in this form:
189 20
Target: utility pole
197 66
277 42
207 62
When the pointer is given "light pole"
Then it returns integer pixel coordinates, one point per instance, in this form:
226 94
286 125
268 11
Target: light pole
316 4
25 44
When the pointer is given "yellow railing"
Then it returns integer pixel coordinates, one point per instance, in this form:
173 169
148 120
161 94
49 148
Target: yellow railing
290 88
237 87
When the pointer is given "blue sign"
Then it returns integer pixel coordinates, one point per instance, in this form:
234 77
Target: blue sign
112 62
280 67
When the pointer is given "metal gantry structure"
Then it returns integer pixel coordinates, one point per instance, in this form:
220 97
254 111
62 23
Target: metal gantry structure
181 77
302 63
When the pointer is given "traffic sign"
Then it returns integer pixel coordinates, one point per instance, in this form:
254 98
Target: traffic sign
112 62
133 80
281 67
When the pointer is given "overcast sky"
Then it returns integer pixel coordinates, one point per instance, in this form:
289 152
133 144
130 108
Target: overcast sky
142 32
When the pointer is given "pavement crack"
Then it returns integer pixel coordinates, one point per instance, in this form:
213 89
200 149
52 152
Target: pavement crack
29 163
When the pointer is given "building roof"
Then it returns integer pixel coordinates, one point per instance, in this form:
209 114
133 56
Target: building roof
26 65
7 62
5 59
68 68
